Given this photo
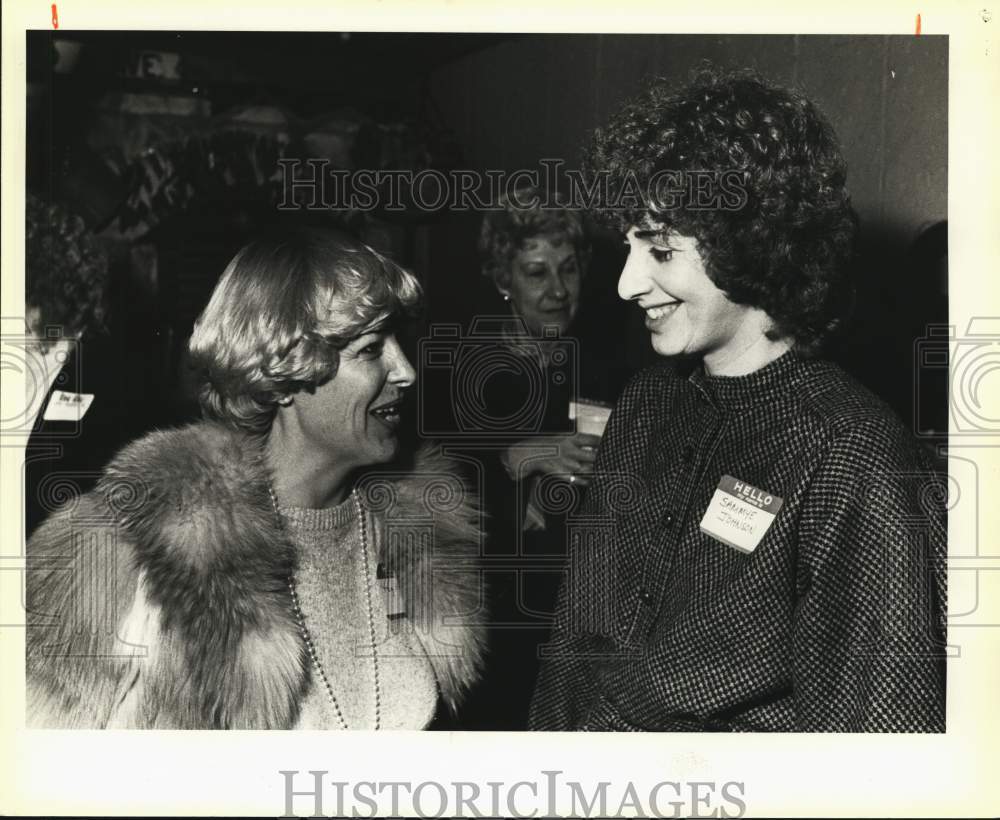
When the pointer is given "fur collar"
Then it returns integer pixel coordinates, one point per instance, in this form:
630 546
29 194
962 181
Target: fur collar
211 561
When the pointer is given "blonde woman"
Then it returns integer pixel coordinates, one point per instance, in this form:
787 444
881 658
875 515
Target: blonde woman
259 569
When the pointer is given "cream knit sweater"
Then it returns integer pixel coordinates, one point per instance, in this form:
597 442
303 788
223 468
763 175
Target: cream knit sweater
330 583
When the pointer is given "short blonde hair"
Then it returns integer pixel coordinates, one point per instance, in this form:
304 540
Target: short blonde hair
282 311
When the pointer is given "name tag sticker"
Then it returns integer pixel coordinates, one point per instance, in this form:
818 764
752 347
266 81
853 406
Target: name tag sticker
739 514
64 406
590 416
395 606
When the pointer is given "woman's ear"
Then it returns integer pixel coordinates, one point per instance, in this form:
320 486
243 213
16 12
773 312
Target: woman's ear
285 400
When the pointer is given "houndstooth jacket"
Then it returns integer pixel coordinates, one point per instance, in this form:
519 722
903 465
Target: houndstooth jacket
834 622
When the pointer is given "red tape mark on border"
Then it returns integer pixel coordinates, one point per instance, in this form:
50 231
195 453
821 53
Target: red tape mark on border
918 24
55 16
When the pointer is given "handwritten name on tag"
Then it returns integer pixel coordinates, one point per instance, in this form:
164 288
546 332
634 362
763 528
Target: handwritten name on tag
739 514
65 406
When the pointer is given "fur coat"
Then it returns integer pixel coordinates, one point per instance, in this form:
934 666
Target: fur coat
159 599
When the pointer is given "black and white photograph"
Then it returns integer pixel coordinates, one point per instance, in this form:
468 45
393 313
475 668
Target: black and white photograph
448 411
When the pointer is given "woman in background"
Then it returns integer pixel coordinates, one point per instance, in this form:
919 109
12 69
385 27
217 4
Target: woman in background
535 457
537 258
85 399
260 575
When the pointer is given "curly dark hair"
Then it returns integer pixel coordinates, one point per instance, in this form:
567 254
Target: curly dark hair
785 242
527 214
66 270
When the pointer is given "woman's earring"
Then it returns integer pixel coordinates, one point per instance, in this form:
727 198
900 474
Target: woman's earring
284 401
506 297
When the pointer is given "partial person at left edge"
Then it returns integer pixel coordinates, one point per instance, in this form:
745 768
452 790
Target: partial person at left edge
84 399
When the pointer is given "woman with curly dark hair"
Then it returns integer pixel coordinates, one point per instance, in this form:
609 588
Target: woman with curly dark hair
773 555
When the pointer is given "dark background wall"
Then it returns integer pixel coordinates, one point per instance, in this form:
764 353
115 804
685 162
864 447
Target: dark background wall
887 97
123 145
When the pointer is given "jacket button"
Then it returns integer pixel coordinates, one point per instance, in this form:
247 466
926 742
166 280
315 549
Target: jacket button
645 596
667 519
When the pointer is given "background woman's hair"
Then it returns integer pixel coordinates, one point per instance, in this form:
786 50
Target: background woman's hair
786 248
529 213
66 270
282 311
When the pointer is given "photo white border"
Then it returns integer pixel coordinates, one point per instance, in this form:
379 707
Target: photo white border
231 773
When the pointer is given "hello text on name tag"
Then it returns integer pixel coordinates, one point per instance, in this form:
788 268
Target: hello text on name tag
739 514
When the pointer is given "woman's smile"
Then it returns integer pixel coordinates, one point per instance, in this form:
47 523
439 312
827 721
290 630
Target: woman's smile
389 413
656 313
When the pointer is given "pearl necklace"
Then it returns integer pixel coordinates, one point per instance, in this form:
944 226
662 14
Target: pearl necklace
304 630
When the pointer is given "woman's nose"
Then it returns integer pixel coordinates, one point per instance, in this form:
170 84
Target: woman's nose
632 283
402 373
557 286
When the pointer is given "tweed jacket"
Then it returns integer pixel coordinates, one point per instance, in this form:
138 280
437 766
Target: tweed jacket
834 622
159 599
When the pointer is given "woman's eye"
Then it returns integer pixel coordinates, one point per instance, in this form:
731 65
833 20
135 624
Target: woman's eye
661 254
373 349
